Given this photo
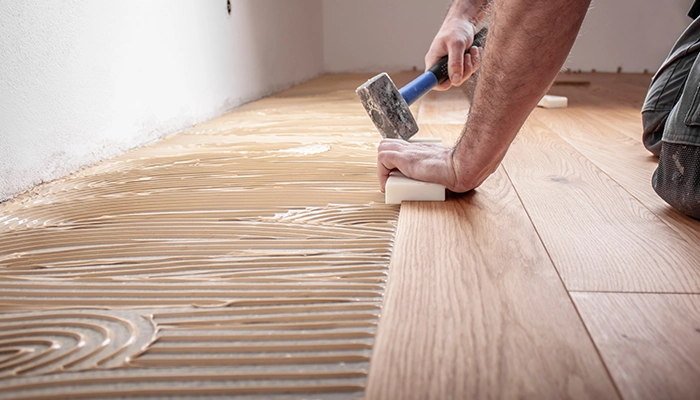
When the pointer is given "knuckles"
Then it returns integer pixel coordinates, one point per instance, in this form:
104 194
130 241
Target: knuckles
390 144
456 43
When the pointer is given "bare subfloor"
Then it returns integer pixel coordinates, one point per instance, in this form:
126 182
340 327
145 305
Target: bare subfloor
252 255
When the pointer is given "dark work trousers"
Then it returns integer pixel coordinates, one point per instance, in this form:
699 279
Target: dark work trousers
671 119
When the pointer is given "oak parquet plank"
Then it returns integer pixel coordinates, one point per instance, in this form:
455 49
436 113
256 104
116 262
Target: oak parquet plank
600 228
474 309
599 237
650 342
625 160
449 133
599 233
449 107
618 108
615 89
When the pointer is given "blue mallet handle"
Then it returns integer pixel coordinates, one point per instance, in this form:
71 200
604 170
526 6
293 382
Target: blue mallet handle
437 74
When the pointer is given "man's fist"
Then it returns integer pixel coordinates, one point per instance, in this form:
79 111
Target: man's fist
454 37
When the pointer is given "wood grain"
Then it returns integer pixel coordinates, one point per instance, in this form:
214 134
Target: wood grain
450 107
585 181
602 135
474 309
650 342
599 236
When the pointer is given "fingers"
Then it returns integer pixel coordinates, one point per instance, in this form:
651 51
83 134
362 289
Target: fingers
454 37
471 62
431 59
385 164
392 144
421 161
459 68
444 85
388 158
434 55
474 61
455 63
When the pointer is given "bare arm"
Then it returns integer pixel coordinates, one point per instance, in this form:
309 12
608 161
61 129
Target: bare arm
527 45
529 42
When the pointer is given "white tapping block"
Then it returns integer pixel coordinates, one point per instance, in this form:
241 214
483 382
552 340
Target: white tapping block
551 101
399 188
425 140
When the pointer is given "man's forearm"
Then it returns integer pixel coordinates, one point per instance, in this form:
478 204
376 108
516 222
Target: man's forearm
528 43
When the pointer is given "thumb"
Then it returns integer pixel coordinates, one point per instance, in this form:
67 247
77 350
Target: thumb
455 62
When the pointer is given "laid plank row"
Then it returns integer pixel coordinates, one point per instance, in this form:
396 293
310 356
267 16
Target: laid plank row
474 308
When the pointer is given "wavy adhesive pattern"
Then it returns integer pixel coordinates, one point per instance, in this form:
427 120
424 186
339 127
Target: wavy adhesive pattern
246 256
50 342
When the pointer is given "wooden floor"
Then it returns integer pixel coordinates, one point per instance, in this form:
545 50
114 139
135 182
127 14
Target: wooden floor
563 276
250 256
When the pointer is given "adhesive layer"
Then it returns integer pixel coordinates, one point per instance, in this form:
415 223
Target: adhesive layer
246 256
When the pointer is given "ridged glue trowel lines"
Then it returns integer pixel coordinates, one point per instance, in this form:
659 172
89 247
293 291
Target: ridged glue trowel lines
50 342
247 256
225 249
266 182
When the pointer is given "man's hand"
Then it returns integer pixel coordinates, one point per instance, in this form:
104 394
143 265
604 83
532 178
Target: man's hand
421 161
454 37
436 164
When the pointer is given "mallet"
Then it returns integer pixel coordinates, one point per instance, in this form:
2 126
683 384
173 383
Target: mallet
388 107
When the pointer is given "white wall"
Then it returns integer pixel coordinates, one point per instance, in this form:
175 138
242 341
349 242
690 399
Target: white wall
394 35
82 80
632 34
379 35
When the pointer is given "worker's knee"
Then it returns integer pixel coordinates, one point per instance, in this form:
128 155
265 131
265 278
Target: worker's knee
677 178
677 139
679 74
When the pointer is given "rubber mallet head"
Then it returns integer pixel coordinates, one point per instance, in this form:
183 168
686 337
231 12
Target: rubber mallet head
387 108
